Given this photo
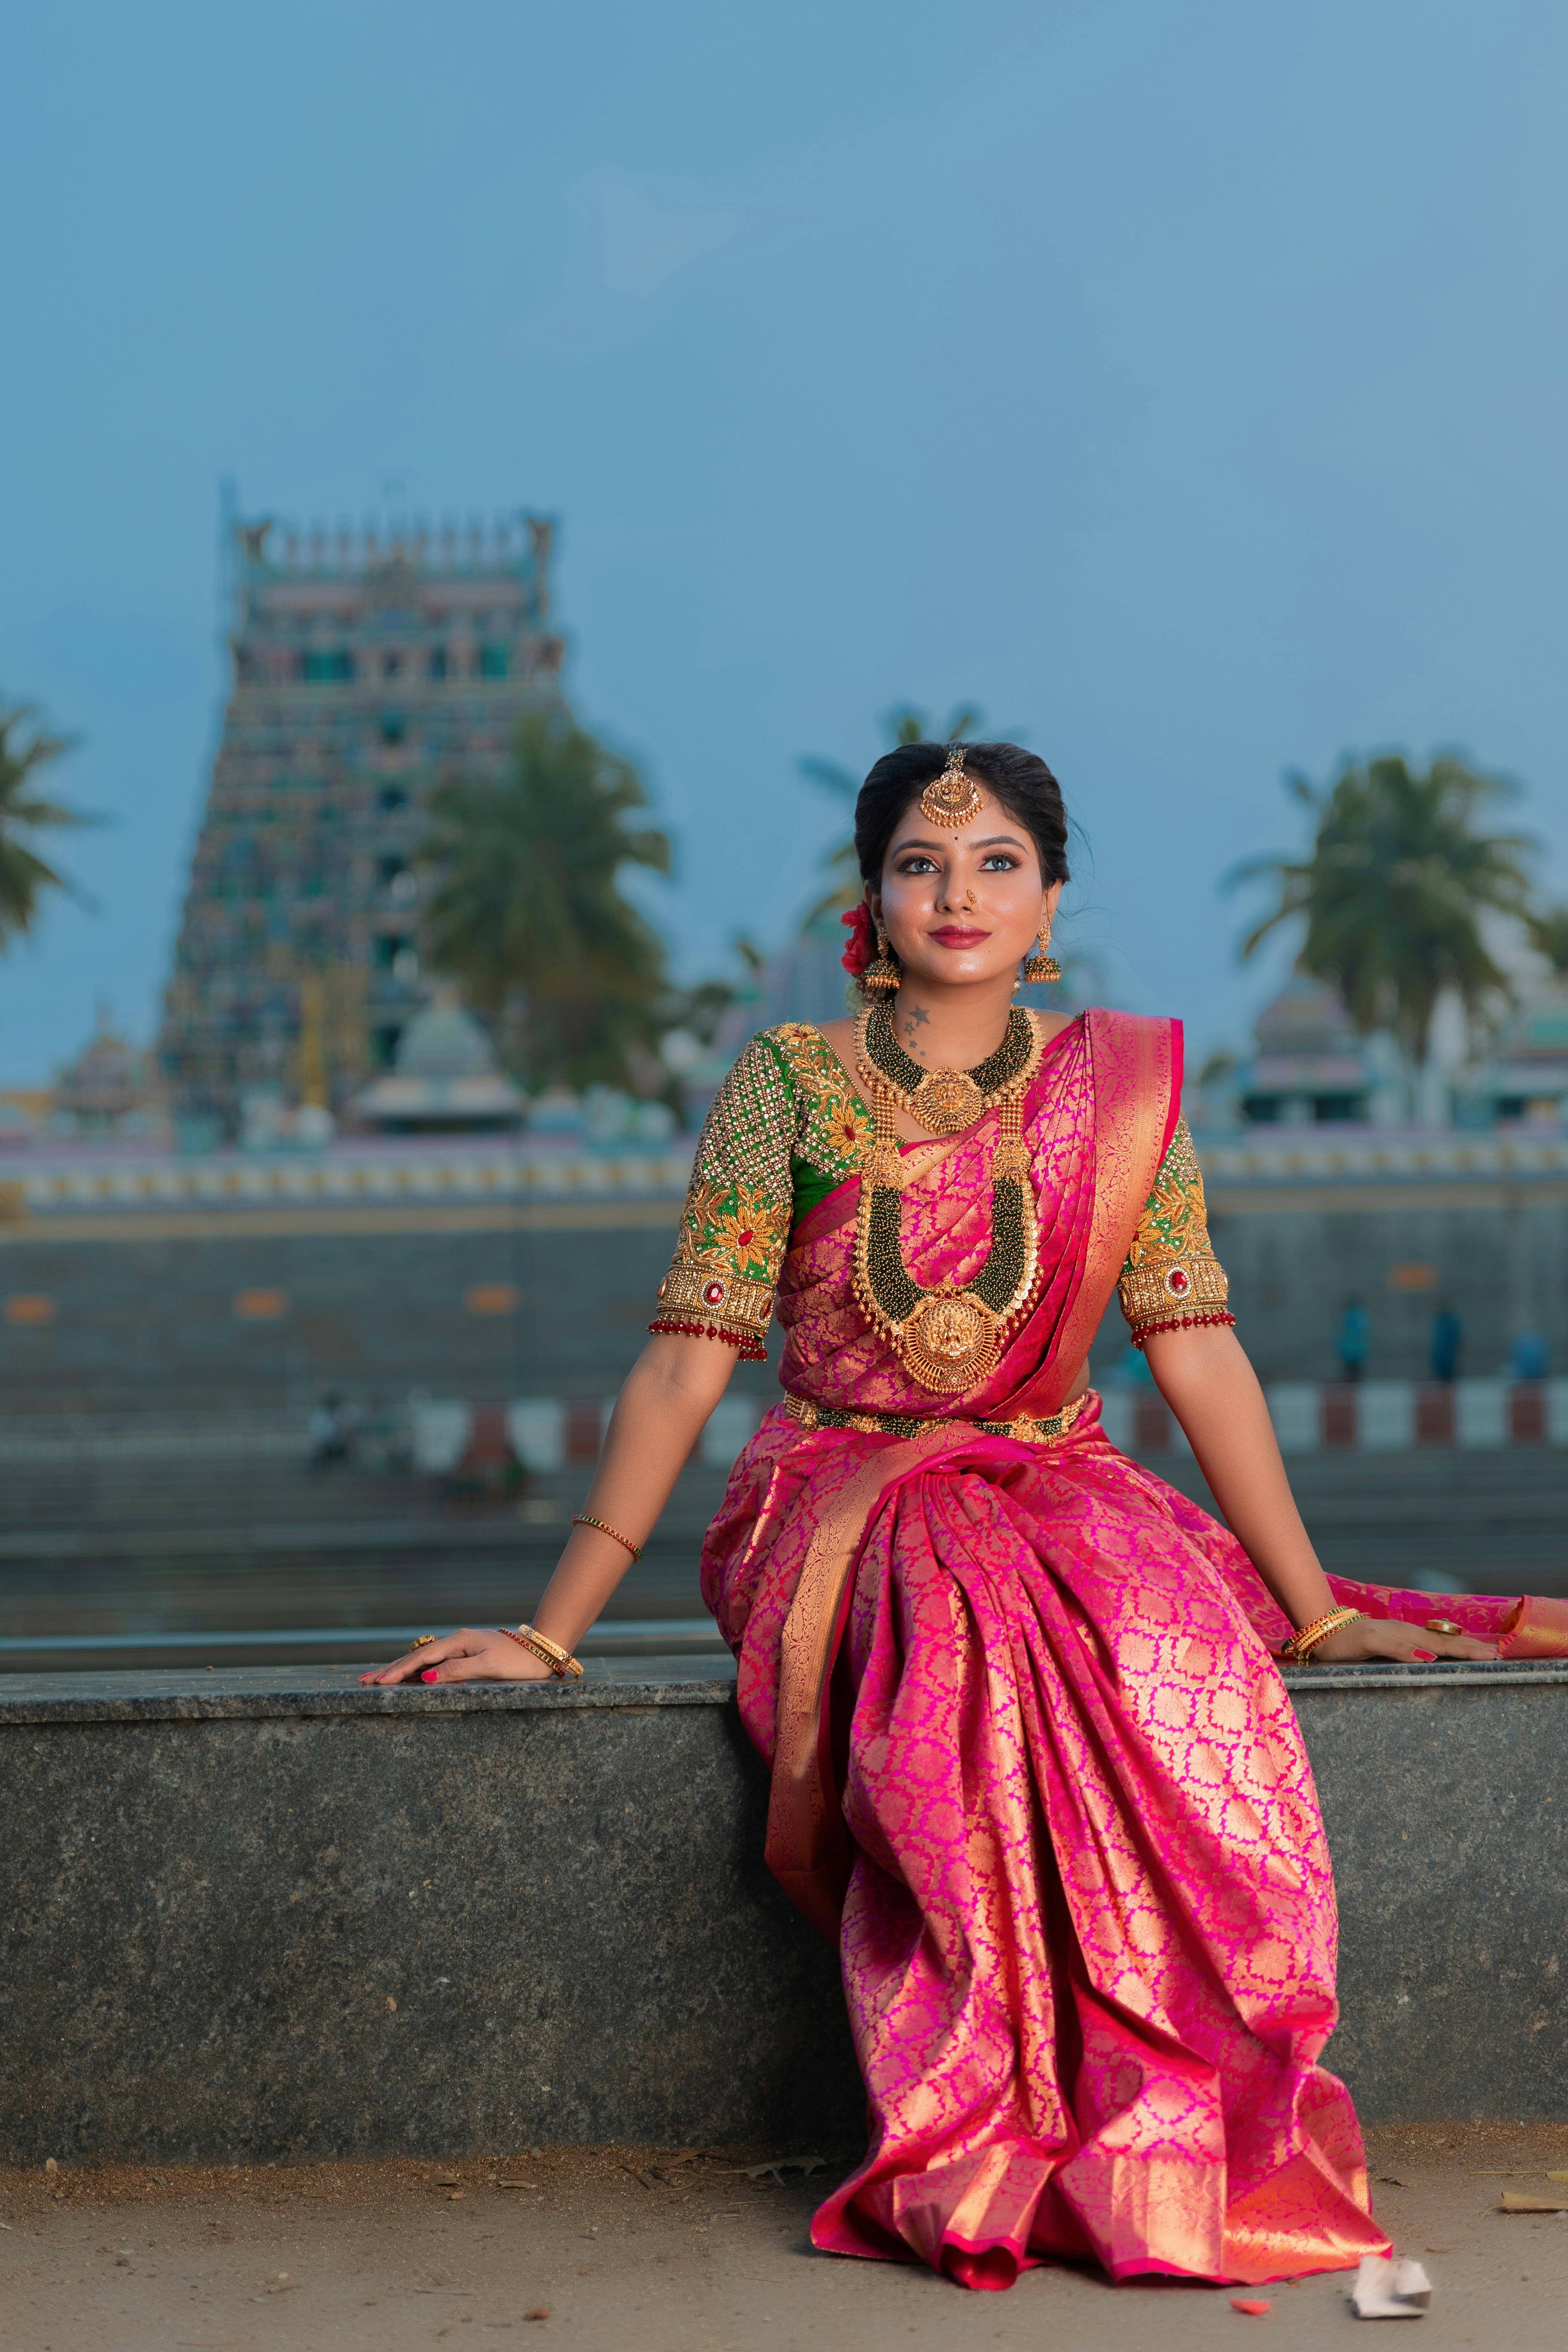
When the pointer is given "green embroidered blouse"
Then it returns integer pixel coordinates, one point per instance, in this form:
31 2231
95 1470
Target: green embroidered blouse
787 1127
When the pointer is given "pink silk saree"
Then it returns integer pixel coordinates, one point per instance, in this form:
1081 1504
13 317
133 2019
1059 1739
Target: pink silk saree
1034 1767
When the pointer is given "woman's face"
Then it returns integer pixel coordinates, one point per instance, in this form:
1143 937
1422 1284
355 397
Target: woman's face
963 906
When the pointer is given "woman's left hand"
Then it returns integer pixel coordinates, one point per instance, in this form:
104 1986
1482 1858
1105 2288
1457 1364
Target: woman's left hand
473 1655
1391 1637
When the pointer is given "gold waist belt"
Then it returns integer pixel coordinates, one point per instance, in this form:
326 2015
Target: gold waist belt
1027 1429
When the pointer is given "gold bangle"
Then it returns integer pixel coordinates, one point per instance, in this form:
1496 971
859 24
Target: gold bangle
549 1653
586 1519
1298 1651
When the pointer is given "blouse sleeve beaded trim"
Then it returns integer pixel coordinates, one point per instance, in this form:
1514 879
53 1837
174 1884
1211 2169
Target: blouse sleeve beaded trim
1172 1276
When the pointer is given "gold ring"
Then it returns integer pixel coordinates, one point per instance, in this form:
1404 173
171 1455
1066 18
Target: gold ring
1443 1625
420 1640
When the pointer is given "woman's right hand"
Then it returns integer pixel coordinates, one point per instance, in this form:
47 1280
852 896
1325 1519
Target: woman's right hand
472 1654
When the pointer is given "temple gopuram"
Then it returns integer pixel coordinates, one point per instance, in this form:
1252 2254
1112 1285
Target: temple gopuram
366 668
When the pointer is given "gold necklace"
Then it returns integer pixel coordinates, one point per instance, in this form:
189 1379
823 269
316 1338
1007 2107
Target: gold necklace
947 1101
949 1338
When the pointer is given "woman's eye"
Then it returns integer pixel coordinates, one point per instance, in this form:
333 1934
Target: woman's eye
1001 861
918 866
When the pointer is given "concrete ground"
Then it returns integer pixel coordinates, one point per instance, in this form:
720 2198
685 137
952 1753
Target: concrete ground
608 2251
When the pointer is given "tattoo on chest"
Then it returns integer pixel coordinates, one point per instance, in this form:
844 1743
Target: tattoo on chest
915 1020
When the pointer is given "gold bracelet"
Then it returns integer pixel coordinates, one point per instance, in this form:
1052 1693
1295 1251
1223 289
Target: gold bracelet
549 1653
1298 1651
586 1519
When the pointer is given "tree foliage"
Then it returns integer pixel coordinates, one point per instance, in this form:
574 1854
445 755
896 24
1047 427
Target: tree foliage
906 723
1392 893
1548 934
527 899
25 749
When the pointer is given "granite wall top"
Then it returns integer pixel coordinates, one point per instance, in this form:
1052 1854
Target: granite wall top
238 1693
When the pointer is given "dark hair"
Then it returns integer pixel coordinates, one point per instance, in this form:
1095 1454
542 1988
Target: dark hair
1020 780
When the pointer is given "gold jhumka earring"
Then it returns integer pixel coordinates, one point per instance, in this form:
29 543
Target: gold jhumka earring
1040 965
884 975
954 798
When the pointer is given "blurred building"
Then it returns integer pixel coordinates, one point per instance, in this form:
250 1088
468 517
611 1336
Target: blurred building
444 1078
110 1090
1525 1079
365 670
1309 1067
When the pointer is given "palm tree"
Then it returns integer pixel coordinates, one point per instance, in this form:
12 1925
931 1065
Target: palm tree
1548 935
904 724
527 899
24 875
1393 891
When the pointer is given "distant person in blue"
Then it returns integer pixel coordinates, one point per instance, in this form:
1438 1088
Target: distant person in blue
1530 1360
1351 1340
1446 1333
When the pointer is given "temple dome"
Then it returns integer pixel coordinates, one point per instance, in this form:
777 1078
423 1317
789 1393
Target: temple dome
444 1076
444 1041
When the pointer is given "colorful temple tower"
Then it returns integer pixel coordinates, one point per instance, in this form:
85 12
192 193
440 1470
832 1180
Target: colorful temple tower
367 668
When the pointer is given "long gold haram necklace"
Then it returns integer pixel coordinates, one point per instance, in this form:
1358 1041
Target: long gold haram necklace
949 1338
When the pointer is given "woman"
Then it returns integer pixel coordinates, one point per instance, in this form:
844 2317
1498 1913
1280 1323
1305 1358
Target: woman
1033 1763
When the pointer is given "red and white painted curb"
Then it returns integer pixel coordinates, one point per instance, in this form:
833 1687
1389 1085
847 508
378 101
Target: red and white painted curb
1373 1417
1309 1417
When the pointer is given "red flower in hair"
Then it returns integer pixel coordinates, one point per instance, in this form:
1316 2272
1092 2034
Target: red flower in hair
862 945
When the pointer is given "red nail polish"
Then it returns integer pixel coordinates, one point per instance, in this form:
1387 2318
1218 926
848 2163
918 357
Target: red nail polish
1427 1658
428 1675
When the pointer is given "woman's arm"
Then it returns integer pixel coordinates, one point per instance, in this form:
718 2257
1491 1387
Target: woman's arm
658 1417
1203 1375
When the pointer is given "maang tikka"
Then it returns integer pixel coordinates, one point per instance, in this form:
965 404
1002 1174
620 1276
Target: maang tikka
954 798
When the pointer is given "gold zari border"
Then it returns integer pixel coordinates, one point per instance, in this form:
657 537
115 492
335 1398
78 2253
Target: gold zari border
1147 1296
748 1306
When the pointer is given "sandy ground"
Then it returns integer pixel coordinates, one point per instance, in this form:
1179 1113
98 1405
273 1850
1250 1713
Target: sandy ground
635 2251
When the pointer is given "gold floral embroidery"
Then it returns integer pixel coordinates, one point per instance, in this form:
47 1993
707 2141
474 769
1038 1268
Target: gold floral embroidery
785 1113
1172 1275
833 1130
738 1227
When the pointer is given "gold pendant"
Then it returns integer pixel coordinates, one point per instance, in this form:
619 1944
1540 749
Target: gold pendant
952 1340
947 1102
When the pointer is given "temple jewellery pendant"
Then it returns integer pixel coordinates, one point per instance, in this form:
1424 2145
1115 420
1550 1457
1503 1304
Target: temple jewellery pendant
949 1338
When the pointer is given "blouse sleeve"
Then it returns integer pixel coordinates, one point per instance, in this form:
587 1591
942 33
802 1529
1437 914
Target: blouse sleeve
734 1228
1172 1275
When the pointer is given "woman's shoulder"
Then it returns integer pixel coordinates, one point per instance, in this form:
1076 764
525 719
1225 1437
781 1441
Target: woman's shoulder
802 1048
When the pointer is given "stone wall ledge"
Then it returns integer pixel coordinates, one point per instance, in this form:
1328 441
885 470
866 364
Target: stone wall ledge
261 1913
239 1694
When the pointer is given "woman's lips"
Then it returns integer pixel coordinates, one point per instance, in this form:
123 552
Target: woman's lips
953 937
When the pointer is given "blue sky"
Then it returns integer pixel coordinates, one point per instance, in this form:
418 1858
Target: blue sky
1184 385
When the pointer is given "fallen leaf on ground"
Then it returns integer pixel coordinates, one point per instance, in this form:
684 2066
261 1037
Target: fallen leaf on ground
454 2194
542 2313
1253 2310
1514 2200
517 2184
1557 2175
